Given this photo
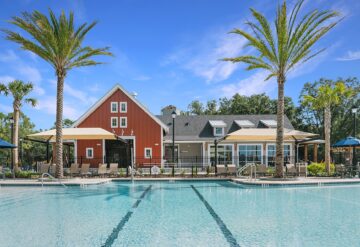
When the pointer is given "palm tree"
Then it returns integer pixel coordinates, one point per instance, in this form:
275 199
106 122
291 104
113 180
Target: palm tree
60 43
19 91
281 49
328 96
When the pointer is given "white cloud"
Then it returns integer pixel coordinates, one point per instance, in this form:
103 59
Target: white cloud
350 56
33 75
255 84
142 78
6 109
6 79
203 58
79 94
48 105
8 56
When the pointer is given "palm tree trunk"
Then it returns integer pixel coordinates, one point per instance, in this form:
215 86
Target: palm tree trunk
327 130
15 135
59 120
280 129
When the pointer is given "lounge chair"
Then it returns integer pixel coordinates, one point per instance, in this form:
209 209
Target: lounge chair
114 169
220 170
52 170
302 170
261 170
231 169
340 170
102 170
43 168
84 170
74 169
291 170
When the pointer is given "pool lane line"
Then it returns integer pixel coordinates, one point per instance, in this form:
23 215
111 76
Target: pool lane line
225 231
115 233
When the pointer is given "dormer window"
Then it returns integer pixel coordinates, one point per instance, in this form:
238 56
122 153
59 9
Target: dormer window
218 131
269 123
218 127
244 124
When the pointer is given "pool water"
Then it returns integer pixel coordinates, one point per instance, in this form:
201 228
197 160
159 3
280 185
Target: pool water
191 213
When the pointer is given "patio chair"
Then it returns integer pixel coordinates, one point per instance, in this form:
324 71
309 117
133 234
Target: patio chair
84 170
114 169
74 169
261 170
102 170
220 170
231 169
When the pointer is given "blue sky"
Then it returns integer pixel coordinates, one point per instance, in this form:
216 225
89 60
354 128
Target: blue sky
167 52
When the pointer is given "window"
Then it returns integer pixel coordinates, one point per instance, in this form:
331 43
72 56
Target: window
218 131
114 122
123 122
148 152
224 154
123 107
271 154
250 153
114 107
89 153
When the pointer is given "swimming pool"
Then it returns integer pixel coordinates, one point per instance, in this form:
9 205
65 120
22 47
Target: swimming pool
191 213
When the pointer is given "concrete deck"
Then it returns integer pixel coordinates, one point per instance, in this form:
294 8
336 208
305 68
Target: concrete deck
67 182
297 182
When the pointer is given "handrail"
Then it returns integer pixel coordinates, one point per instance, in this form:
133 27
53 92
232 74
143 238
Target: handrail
251 165
47 174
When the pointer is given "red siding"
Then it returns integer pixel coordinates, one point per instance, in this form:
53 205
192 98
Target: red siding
146 130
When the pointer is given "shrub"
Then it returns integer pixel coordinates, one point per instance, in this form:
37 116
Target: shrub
319 169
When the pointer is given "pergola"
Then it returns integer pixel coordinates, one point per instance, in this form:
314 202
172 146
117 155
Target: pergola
269 134
69 134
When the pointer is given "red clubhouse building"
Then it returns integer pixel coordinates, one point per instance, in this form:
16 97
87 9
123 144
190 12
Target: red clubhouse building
147 139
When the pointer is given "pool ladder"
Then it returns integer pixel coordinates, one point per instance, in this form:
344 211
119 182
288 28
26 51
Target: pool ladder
48 175
252 170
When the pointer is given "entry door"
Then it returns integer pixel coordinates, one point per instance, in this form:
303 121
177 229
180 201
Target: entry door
168 153
118 152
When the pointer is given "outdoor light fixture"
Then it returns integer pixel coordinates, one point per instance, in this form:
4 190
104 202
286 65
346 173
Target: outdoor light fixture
354 110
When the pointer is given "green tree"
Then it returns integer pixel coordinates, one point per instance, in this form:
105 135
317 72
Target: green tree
312 120
196 108
19 91
67 123
211 106
281 49
328 96
60 43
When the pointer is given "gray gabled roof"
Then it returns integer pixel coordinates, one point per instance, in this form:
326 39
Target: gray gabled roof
197 127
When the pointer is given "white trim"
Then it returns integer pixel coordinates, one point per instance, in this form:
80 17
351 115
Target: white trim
125 103
123 126
145 156
247 144
222 131
75 151
273 143
111 122
92 152
106 96
162 147
103 151
221 144
111 106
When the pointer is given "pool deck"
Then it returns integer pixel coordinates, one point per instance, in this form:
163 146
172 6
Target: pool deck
302 181
315 181
67 182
